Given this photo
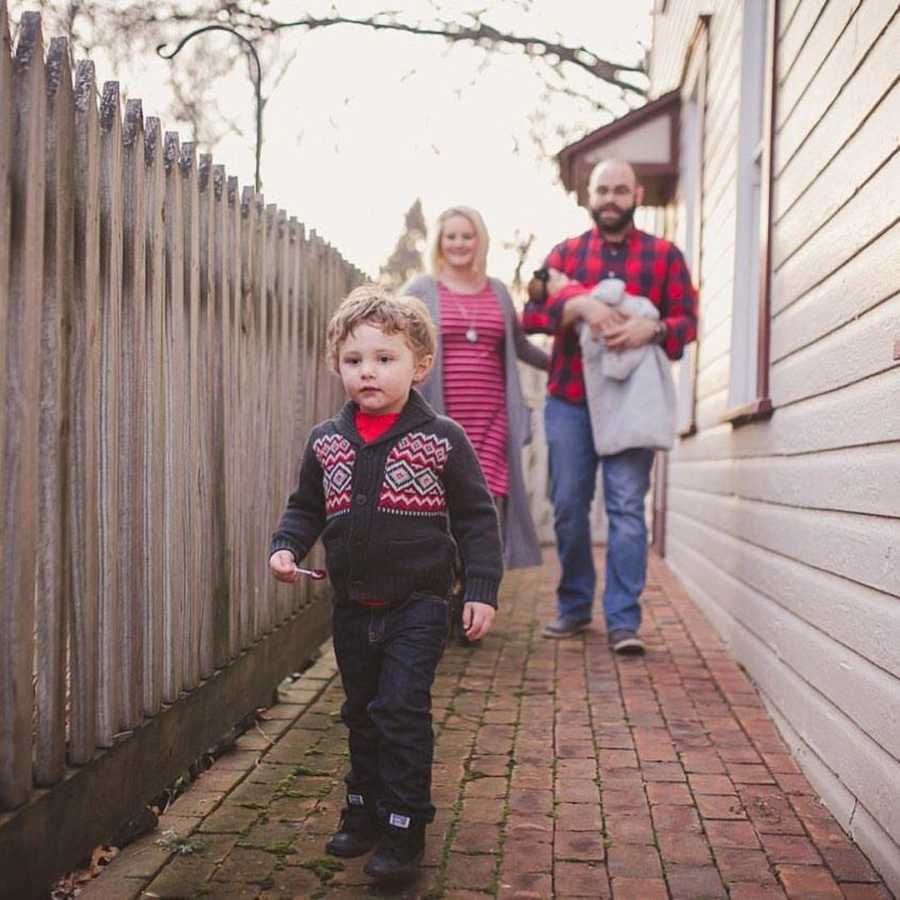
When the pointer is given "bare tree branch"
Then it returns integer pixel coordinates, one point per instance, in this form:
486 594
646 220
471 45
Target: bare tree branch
123 28
521 245
479 33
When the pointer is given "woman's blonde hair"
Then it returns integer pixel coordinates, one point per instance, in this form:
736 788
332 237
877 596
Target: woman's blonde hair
479 264
373 304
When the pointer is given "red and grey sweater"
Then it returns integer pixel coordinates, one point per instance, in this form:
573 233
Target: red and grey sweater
392 513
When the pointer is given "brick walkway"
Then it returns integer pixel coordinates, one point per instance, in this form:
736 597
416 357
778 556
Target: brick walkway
561 771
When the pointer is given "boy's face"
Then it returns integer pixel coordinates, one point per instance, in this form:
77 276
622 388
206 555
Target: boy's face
378 369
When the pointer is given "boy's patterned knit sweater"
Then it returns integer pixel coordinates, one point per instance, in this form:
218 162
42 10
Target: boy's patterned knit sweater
393 512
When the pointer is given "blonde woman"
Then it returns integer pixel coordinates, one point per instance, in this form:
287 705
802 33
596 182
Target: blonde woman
475 378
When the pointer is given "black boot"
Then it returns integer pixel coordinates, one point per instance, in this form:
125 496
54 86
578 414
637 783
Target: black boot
398 854
358 830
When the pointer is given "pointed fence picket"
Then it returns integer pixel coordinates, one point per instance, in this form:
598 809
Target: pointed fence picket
50 680
133 412
161 364
82 544
152 478
20 409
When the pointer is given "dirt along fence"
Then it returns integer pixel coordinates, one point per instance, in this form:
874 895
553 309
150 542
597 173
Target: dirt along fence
160 366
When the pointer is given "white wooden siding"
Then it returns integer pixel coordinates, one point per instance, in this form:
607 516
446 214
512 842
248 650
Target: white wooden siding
847 294
833 81
787 531
842 358
851 757
858 480
854 103
862 219
840 180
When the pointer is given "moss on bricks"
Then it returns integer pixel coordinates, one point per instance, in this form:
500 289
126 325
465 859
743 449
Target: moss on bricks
323 867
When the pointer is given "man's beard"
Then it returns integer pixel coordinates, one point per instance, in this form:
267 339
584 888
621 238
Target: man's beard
616 225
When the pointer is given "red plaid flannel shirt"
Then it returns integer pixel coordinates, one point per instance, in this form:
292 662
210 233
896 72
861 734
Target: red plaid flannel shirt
650 267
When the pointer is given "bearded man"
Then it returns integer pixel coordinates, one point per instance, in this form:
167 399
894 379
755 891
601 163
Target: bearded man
650 267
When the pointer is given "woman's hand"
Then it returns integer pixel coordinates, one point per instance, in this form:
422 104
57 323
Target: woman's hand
283 567
477 619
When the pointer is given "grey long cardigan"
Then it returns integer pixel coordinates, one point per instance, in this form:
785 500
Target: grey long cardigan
521 545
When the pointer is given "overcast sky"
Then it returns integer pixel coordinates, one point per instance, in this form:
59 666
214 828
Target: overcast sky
365 122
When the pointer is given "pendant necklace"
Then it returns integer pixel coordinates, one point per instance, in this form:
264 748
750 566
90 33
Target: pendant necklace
471 332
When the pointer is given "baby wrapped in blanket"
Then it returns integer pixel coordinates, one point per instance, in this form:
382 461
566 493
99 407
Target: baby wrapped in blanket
630 393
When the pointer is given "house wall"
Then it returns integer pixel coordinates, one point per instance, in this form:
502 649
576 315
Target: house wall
786 532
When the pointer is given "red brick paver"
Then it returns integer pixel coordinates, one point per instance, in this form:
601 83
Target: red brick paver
561 771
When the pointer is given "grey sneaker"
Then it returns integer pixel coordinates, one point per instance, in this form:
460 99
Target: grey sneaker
625 641
565 628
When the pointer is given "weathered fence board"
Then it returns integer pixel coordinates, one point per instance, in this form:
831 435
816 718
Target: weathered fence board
269 366
233 421
83 532
259 357
133 416
160 369
176 468
114 551
297 342
246 405
314 292
6 576
207 338
193 519
279 378
51 633
19 451
153 478
6 113
212 226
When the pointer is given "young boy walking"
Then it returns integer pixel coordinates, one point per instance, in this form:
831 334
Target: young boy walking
393 489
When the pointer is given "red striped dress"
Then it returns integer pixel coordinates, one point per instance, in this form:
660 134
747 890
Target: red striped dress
475 377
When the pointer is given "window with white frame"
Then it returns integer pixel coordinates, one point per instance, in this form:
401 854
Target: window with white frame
752 161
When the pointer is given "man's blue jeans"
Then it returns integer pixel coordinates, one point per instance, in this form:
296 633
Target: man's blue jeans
626 479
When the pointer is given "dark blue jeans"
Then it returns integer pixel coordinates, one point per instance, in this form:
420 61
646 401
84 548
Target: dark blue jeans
573 474
387 659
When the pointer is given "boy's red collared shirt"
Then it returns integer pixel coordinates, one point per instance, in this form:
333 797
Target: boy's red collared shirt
371 427
650 266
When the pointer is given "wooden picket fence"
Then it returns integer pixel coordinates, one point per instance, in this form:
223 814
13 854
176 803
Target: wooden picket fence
160 365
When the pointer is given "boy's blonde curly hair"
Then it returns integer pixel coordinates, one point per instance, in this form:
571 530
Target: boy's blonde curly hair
373 304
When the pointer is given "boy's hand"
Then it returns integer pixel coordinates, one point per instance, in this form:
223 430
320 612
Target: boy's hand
283 567
477 619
